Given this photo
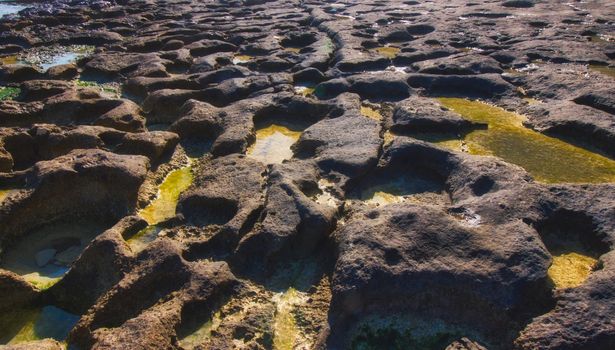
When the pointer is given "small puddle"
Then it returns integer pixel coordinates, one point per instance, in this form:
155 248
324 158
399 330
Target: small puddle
273 144
387 51
575 246
396 189
48 57
35 324
164 205
200 332
406 332
548 159
238 59
285 330
141 239
45 255
9 8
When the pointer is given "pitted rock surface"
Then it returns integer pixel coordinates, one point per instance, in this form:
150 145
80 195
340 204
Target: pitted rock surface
382 228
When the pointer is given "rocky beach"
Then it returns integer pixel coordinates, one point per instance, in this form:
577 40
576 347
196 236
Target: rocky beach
307 175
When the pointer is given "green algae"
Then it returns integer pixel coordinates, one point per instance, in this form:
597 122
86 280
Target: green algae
106 88
9 93
285 330
273 144
34 324
163 207
546 158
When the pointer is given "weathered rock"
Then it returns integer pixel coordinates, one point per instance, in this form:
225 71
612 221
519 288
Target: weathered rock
423 115
83 182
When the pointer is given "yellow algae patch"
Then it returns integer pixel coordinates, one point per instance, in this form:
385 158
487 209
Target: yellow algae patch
387 51
610 71
384 198
371 113
293 49
4 194
163 207
388 137
304 90
571 269
273 144
285 330
548 159
9 60
241 59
